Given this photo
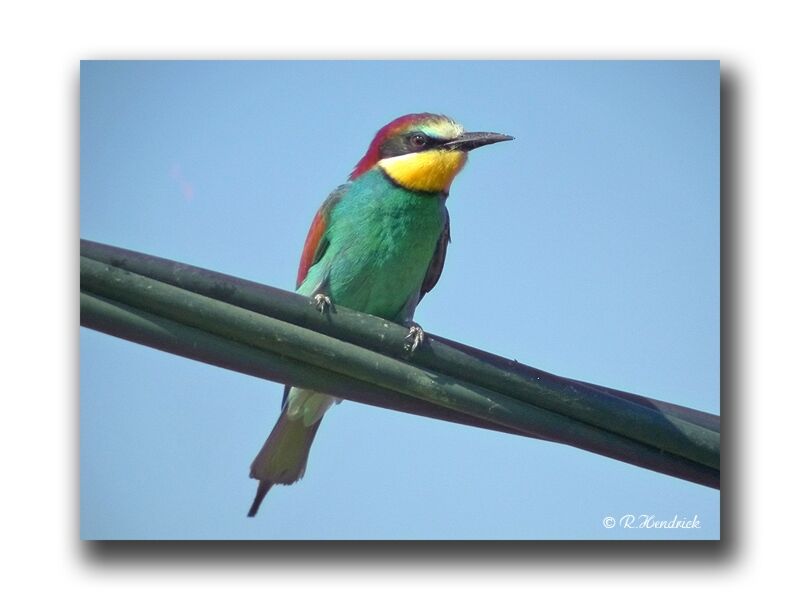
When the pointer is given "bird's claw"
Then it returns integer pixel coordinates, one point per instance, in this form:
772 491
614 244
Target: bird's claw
322 302
415 337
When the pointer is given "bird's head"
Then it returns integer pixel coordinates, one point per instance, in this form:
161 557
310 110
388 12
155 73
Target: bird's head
422 151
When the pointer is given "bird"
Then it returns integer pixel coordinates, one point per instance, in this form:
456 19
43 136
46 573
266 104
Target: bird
377 245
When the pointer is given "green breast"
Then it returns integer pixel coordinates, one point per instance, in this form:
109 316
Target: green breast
382 238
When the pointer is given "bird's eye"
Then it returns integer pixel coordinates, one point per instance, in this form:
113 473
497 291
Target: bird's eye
418 140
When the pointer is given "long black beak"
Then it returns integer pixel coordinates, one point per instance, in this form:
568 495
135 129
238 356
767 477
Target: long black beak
476 139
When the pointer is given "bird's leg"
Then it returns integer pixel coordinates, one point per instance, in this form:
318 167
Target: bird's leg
415 336
321 298
322 302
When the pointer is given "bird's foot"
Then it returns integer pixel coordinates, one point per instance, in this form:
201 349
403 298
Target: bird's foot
322 302
415 337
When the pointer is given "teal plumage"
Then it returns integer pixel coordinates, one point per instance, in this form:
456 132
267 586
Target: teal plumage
378 252
376 245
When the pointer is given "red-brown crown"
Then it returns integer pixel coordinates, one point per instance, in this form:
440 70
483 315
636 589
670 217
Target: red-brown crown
399 126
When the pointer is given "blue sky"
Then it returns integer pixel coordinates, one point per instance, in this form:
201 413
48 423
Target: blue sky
588 247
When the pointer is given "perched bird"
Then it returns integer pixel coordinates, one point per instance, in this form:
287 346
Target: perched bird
376 245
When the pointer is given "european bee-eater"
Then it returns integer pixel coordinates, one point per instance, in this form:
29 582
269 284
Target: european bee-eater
376 245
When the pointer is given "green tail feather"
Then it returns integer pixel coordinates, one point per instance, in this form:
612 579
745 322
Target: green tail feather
283 458
263 488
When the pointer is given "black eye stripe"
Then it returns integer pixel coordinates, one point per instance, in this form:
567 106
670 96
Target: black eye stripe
404 144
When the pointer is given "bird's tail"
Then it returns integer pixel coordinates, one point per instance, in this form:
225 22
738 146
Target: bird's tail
261 492
283 458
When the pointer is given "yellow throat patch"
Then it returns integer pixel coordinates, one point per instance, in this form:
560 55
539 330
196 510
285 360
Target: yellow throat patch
428 171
